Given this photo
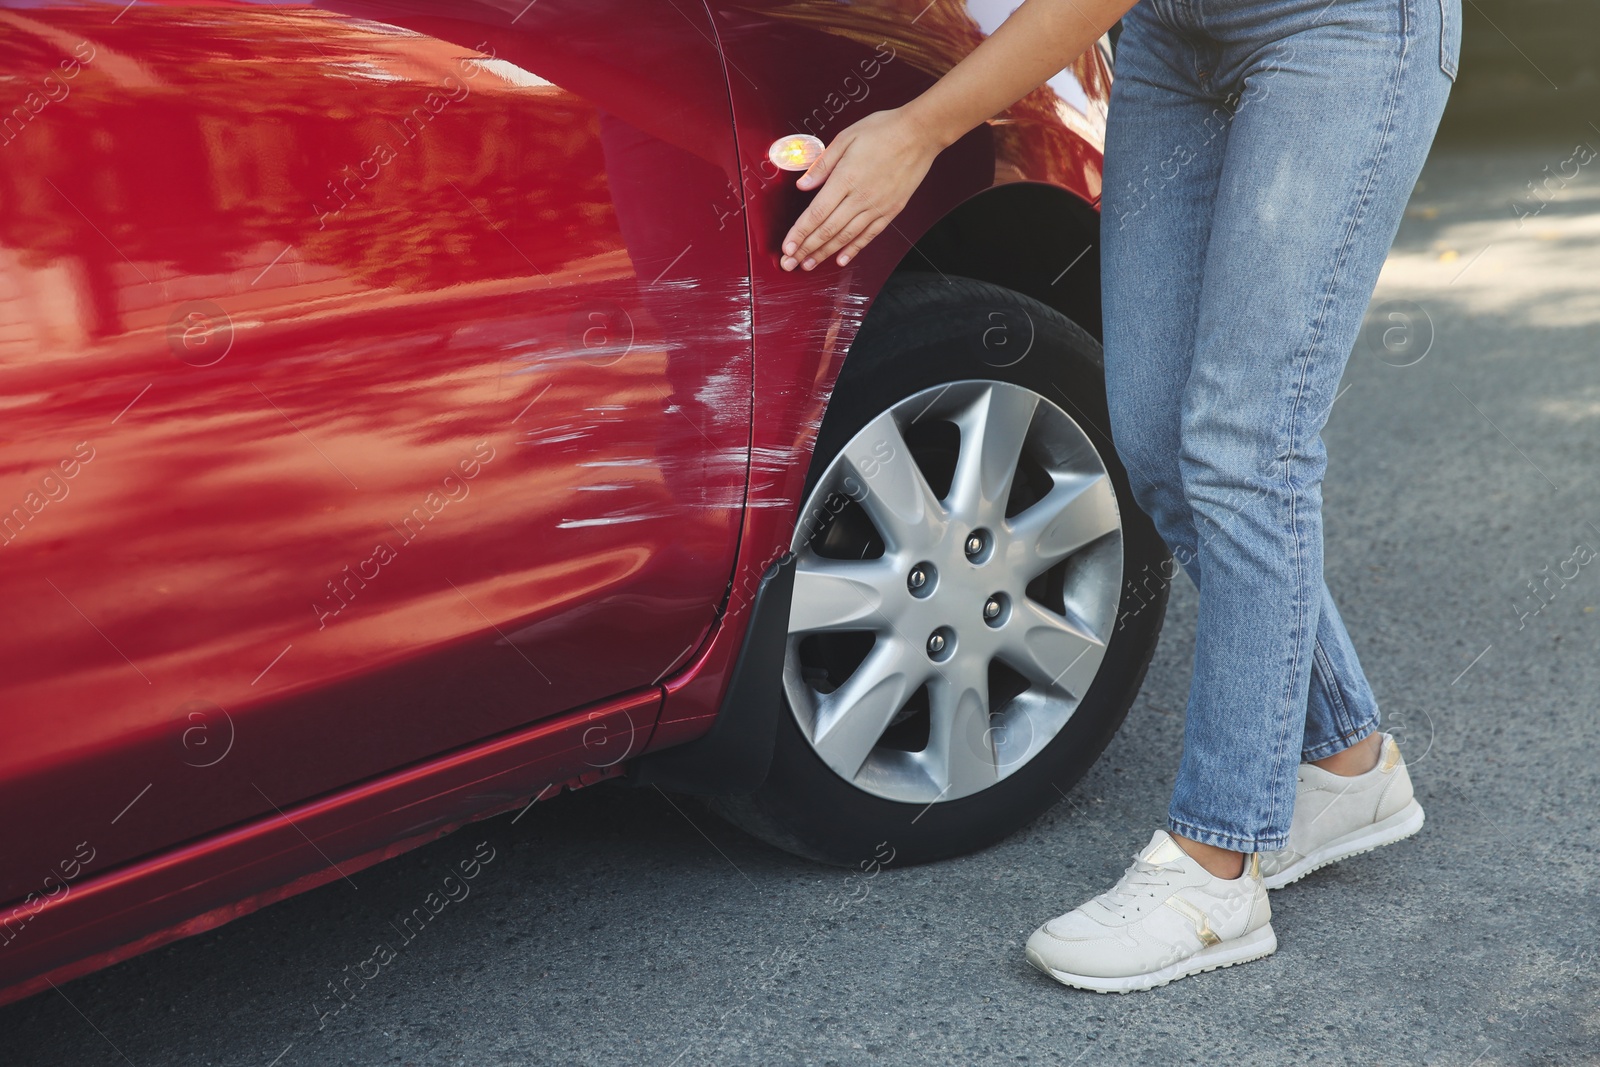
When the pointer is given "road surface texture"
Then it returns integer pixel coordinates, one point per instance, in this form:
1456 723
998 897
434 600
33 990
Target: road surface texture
614 926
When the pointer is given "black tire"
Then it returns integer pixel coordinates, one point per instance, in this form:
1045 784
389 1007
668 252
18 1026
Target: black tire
926 330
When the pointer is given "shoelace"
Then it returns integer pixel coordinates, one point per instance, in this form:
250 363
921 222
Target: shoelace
1141 880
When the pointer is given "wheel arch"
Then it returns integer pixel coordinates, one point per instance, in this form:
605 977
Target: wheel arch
1034 238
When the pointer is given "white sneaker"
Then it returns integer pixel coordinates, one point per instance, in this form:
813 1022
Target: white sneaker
1339 815
1166 918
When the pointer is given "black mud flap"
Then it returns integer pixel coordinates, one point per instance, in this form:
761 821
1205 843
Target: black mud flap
735 756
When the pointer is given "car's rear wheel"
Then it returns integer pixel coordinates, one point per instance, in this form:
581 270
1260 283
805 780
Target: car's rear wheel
963 641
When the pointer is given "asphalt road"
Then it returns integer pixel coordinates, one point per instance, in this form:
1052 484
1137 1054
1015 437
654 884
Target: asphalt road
611 927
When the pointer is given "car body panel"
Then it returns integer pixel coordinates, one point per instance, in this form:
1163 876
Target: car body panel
364 397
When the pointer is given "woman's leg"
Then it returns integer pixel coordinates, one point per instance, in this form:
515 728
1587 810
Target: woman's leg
1335 108
1163 164
1283 202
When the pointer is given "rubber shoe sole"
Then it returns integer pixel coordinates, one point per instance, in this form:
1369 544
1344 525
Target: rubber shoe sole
1397 827
1252 946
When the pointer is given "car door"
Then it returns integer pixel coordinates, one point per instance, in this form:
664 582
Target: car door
374 378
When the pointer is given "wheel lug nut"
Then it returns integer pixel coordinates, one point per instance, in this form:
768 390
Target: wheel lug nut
936 643
996 610
941 644
977 546
921 579
974 544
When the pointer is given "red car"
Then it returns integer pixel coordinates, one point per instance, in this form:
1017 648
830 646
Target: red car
405 418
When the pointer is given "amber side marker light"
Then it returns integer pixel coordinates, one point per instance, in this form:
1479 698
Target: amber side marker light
795 152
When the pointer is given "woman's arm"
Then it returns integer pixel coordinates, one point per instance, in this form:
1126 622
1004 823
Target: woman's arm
873 166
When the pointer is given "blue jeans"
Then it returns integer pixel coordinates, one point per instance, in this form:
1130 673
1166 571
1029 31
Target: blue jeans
1259 154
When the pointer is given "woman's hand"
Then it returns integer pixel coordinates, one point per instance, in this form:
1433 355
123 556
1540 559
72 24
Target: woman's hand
873 166
867 174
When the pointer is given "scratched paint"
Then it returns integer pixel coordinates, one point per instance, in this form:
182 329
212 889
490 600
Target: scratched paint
509 277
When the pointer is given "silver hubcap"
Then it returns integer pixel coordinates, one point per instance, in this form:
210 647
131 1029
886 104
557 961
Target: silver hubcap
957 576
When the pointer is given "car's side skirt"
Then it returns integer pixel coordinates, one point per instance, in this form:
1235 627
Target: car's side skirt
109 917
